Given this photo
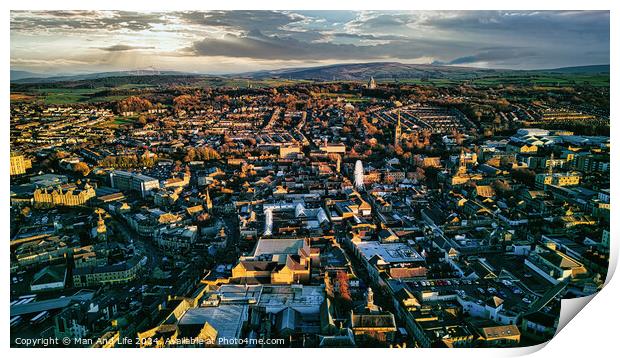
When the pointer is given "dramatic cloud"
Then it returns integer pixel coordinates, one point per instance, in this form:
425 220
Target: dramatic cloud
118 48
264 21
581 25
34 21
259 46
493 55
233 41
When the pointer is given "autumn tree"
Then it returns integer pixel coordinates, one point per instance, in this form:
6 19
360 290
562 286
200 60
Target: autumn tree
133 104
523 175
81 168
185 102
343 285
502 187
57 155
201 153
420 174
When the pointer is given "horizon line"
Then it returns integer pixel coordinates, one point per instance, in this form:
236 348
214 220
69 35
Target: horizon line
67 74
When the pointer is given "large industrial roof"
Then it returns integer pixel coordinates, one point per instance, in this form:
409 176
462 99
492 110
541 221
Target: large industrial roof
278 246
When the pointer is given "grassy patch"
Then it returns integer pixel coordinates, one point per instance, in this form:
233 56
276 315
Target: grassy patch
244 83
552 81
65 95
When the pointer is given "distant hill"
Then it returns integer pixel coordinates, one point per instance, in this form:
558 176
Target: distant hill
592 69
395 70
338 72
93 76
19 75
379 70
109 82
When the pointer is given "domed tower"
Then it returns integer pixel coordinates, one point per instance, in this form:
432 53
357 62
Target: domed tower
462 164
370 301
102 230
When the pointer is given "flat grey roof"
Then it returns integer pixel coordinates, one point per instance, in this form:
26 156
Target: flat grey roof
278 246
54 303
390 253
226 319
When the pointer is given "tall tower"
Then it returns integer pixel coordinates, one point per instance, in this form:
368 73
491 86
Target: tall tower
551 162
101 228
338 163
359 175
329 287
370 302
372 84
268 222
462 165
398 132
208 202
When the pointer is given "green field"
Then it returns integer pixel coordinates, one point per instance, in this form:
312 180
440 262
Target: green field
124 120
64 95
549 80
81 95
243 83
544 81
437 82
90 95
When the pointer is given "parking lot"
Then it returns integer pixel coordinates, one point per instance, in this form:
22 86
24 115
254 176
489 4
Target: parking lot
505 289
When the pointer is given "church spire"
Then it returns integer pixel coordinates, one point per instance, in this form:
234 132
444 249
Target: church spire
372 84
397 132
208 202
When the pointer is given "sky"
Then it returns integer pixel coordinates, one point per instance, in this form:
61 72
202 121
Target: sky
217 42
